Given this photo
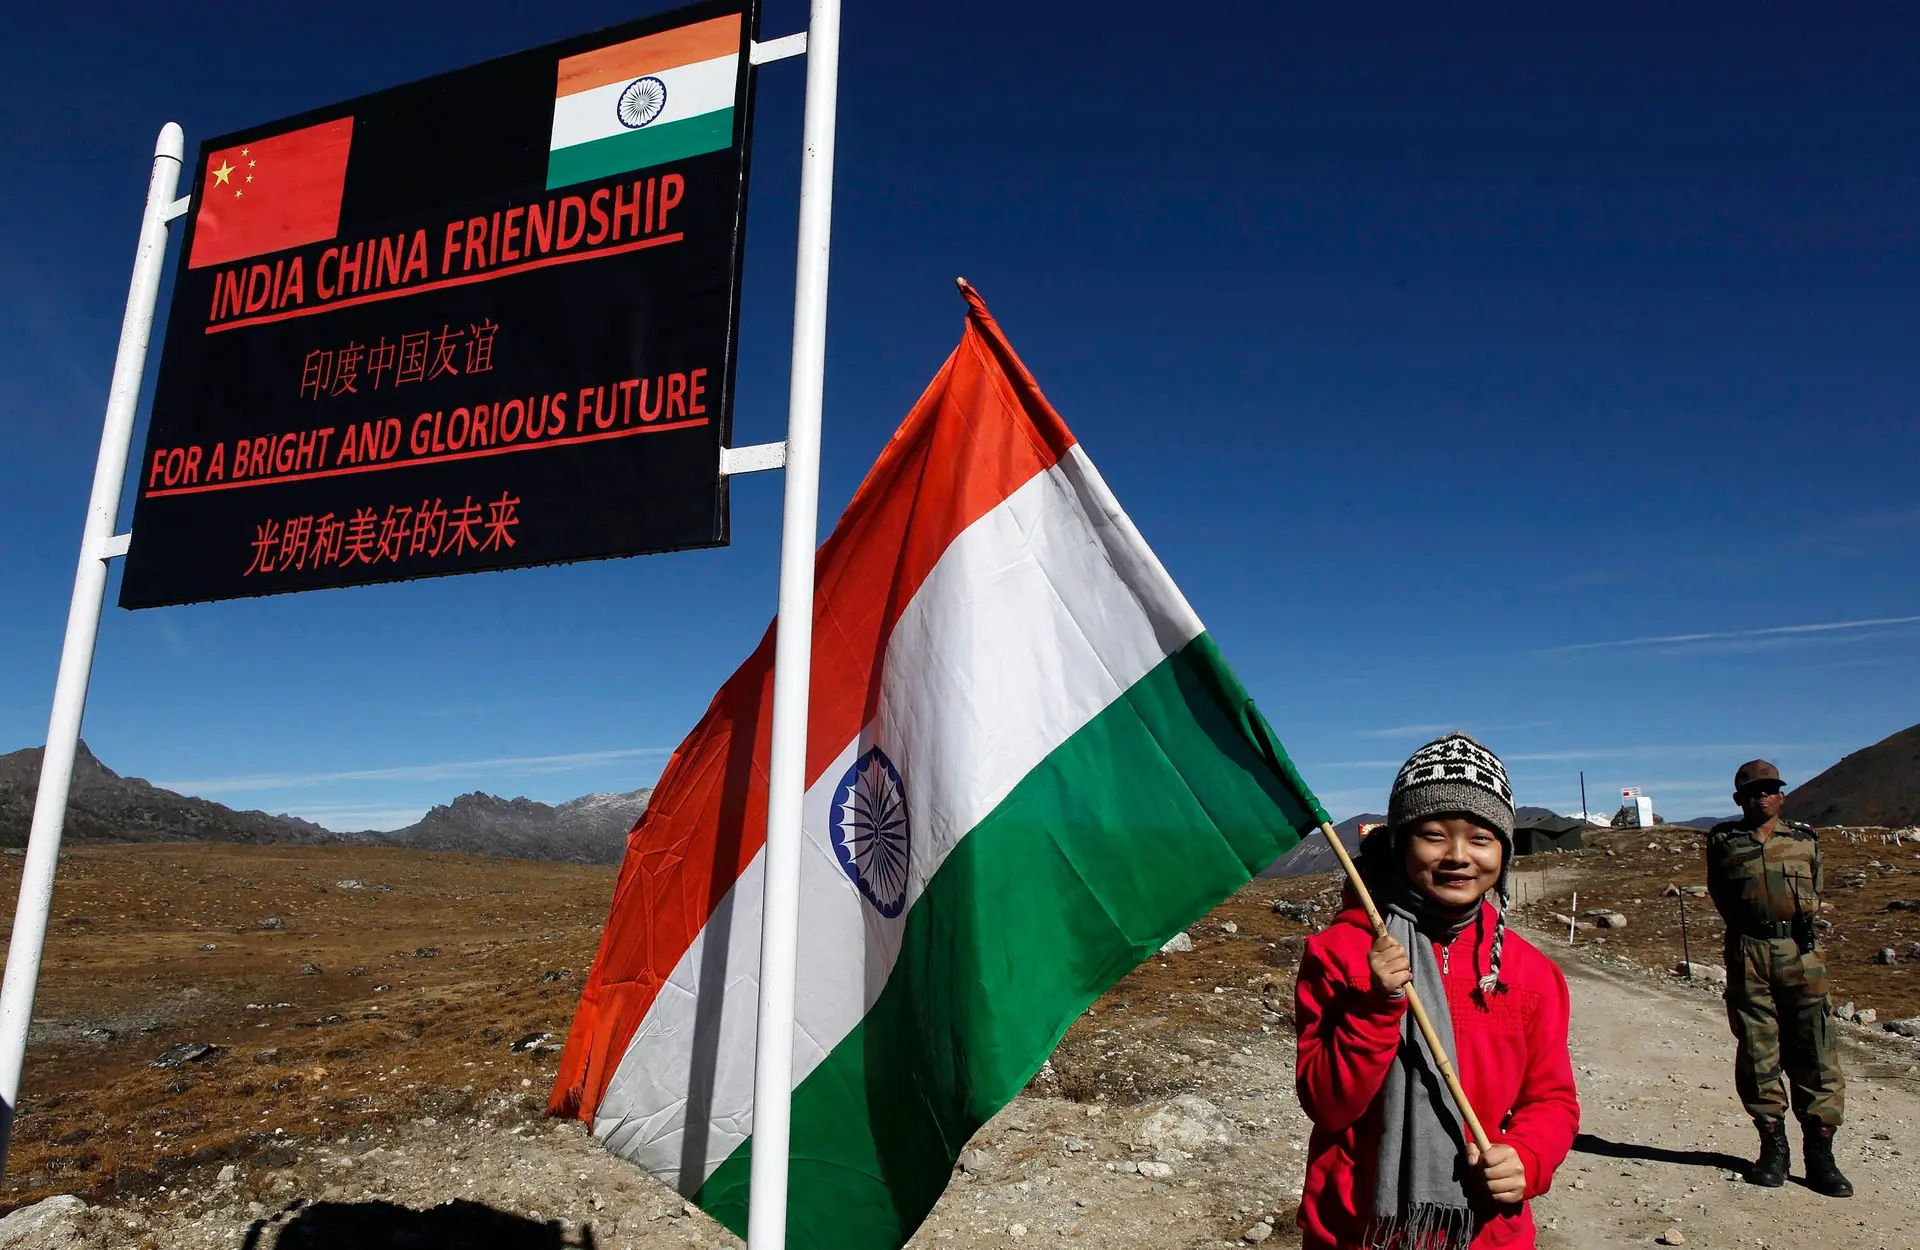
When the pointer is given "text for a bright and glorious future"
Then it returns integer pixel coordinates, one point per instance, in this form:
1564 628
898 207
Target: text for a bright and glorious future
629 406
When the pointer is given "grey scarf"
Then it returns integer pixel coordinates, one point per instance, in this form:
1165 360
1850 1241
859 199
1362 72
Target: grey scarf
1419 1200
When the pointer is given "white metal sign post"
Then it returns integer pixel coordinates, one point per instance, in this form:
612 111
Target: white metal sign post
793 646
793 649
98 544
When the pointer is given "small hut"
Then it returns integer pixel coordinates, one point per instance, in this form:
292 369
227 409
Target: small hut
1548 833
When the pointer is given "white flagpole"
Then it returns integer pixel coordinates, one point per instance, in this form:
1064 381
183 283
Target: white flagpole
793 646
97 546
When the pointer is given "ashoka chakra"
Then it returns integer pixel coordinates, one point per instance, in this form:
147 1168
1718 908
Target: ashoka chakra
641 102
869 831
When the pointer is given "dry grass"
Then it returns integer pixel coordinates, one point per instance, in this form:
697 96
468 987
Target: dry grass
425 976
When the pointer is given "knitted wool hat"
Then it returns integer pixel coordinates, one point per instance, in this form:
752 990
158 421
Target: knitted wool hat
1456 776
1453 776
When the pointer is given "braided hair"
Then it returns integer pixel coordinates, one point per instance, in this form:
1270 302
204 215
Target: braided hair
1491 982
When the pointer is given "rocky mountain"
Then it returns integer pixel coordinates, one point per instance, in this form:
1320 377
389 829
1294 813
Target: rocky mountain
1879 785
105 807
591 829
1314 855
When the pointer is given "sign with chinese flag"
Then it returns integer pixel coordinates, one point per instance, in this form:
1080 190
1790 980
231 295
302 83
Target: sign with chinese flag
271 194
482 321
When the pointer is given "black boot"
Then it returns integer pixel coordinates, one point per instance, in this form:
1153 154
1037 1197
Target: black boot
1823 1174
1770 1169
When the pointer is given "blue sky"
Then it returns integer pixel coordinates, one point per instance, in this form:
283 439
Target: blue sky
1544 371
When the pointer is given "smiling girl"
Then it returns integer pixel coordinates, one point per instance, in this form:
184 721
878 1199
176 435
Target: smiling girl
1390 1164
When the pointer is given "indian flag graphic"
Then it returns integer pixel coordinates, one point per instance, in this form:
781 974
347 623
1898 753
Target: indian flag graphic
644 102
1028 766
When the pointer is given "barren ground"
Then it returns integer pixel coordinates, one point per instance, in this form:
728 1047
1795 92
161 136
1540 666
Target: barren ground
382 1104
332 1006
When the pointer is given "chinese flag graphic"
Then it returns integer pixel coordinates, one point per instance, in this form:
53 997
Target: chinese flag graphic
272 194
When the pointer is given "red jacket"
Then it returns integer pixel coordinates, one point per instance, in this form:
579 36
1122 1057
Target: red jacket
1511 1056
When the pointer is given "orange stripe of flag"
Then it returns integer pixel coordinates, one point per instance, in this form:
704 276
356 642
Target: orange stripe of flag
701 41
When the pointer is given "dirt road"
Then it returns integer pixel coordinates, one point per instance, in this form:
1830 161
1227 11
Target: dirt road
1662 1135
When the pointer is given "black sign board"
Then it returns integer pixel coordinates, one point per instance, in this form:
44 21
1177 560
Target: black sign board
482 321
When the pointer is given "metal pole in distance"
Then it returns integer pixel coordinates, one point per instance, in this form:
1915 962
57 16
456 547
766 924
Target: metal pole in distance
793 646
83 626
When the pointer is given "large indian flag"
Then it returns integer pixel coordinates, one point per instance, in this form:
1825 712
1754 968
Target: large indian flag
645 102
1027 766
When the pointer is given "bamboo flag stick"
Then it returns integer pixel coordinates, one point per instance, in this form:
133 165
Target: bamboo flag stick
1414 1004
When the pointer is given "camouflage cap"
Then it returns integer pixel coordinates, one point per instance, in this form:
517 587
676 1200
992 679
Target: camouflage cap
1753 773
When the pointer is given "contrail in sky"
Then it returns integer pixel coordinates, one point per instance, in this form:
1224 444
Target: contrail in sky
1769 632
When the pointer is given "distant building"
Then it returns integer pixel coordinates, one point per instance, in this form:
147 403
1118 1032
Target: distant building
1636 810
1548 833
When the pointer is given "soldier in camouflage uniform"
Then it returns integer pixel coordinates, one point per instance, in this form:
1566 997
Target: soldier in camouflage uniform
1765 878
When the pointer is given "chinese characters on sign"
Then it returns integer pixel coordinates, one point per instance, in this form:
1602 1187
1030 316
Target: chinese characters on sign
329 372
424 340
369 536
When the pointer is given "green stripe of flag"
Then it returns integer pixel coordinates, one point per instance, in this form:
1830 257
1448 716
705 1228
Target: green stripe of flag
637 149
1140 823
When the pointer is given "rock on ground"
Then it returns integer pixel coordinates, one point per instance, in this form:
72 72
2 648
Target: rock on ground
49 1222
1188 1122
1713 974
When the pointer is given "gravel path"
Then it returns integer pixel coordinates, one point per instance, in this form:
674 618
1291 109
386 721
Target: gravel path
1662 1132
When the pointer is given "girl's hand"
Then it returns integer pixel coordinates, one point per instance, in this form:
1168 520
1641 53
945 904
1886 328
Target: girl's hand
1392 970
1504 1173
